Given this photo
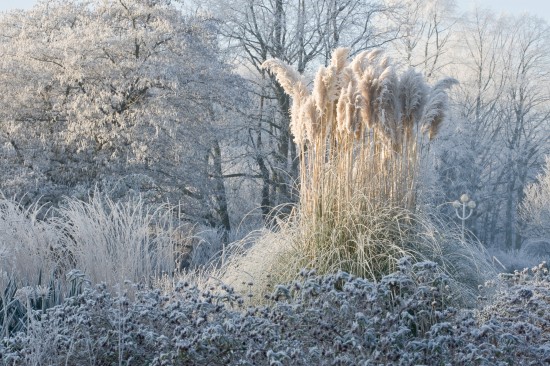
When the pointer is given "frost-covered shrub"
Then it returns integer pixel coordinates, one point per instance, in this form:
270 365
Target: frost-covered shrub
532 253
539 250
521 303
404 319
535 207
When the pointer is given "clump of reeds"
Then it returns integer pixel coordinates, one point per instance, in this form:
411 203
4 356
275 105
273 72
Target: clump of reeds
360 132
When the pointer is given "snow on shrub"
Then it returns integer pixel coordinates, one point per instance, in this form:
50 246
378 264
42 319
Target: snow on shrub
404 319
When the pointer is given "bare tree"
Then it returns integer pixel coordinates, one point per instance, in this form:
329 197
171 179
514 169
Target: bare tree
525 111
535 207
426 29
502 111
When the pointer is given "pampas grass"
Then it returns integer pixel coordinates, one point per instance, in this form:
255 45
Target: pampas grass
361 133
361 129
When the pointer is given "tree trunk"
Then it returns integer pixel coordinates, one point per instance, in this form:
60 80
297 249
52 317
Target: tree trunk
220 195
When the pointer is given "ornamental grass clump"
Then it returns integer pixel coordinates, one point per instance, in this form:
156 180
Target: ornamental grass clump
114 242
361 133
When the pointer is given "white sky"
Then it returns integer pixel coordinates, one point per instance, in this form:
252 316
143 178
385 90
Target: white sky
16 4
540 8
537 7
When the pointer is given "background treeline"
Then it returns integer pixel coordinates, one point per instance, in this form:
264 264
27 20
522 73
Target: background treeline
273 182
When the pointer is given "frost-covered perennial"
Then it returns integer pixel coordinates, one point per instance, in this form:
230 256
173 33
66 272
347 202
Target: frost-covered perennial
404 319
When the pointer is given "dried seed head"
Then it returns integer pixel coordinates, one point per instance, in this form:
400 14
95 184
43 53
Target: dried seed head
310 118
341 109
368 87
384 63
330 80
374 54
388 106
297 124
436 107
291 81
340 58
320 93
412 96
357 65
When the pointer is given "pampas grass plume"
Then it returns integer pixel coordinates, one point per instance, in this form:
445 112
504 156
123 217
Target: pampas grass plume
436 107
374 54
330 80
412 94
310 118
291 81
365 87
343 101
297 122
357 64
340 58
320 94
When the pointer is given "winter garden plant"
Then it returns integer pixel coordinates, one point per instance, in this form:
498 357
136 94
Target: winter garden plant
535 207
48 255
362 133
109 241
406 318
99 282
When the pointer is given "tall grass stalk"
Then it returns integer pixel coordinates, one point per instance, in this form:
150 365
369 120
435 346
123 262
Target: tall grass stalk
48 256
361 133
29 247
114 242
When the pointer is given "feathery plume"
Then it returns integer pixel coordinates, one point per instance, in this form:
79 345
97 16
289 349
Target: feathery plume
373 55
351 115
320 94
339 62
297 123
351 108
360 105
310 118
340 58
369 90
357 64
291 81
412 95
343 101
388 106
384 63
347 77
436 107
330 79
364 89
